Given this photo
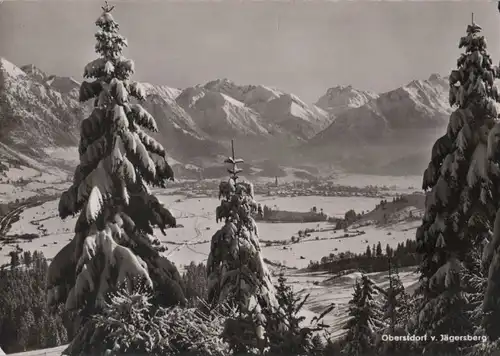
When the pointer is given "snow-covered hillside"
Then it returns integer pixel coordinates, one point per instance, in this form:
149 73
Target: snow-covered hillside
381 134
34 115
421 104
341 98
286 111
220 115
191 242
350 127
41 112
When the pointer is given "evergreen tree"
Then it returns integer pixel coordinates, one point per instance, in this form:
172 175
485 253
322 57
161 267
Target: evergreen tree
27 258
195 281
295 340
461 204
15 260
114 241
132 325
379 250
25 331
365 319
236 271
368 252
394 308
388 251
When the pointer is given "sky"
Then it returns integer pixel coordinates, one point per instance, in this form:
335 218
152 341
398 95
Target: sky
302 47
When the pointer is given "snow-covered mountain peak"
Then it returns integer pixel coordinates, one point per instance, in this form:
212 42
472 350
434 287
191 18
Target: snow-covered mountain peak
35 72
219 114
419 105
164 91
436 77
339 88
188 97
64 85
11 69
344 97
220 84
251 109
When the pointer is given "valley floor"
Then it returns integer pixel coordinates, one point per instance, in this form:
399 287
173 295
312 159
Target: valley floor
191 242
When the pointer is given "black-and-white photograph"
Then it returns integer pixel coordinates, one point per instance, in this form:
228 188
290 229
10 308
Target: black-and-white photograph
236 178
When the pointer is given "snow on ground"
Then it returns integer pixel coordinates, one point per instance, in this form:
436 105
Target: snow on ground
162 90
233 101
339 291
323 289
44 216
69 154
192 243
298 111
23 158
16 174
10 68
8 192
45 184
55 351
197 216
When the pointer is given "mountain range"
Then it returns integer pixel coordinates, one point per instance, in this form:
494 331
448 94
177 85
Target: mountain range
380 133
349 128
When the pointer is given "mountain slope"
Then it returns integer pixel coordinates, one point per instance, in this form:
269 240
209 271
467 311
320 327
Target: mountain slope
342 98
40 112
386 129
33 115
281 113
178 132
422 104
220 115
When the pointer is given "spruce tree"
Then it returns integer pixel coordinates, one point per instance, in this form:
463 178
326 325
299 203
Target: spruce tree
368 252
114 241
461 202
388 251
296 339
236 270
365 319
395 307
476 278
379 250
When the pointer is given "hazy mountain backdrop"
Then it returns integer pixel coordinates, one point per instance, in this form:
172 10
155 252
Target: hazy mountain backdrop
350 129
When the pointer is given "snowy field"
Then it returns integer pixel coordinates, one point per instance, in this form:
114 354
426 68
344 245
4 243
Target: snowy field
325 290
191 242
25 182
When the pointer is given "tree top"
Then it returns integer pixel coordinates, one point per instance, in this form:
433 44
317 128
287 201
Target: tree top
234 161
107 8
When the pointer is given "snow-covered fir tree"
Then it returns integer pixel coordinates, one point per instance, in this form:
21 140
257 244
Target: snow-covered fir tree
395 308
365 319
297 339
395 298
476 278
489 285
235 266
461 202
114 241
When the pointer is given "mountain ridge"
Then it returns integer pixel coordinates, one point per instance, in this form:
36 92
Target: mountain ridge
386 129
197 123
